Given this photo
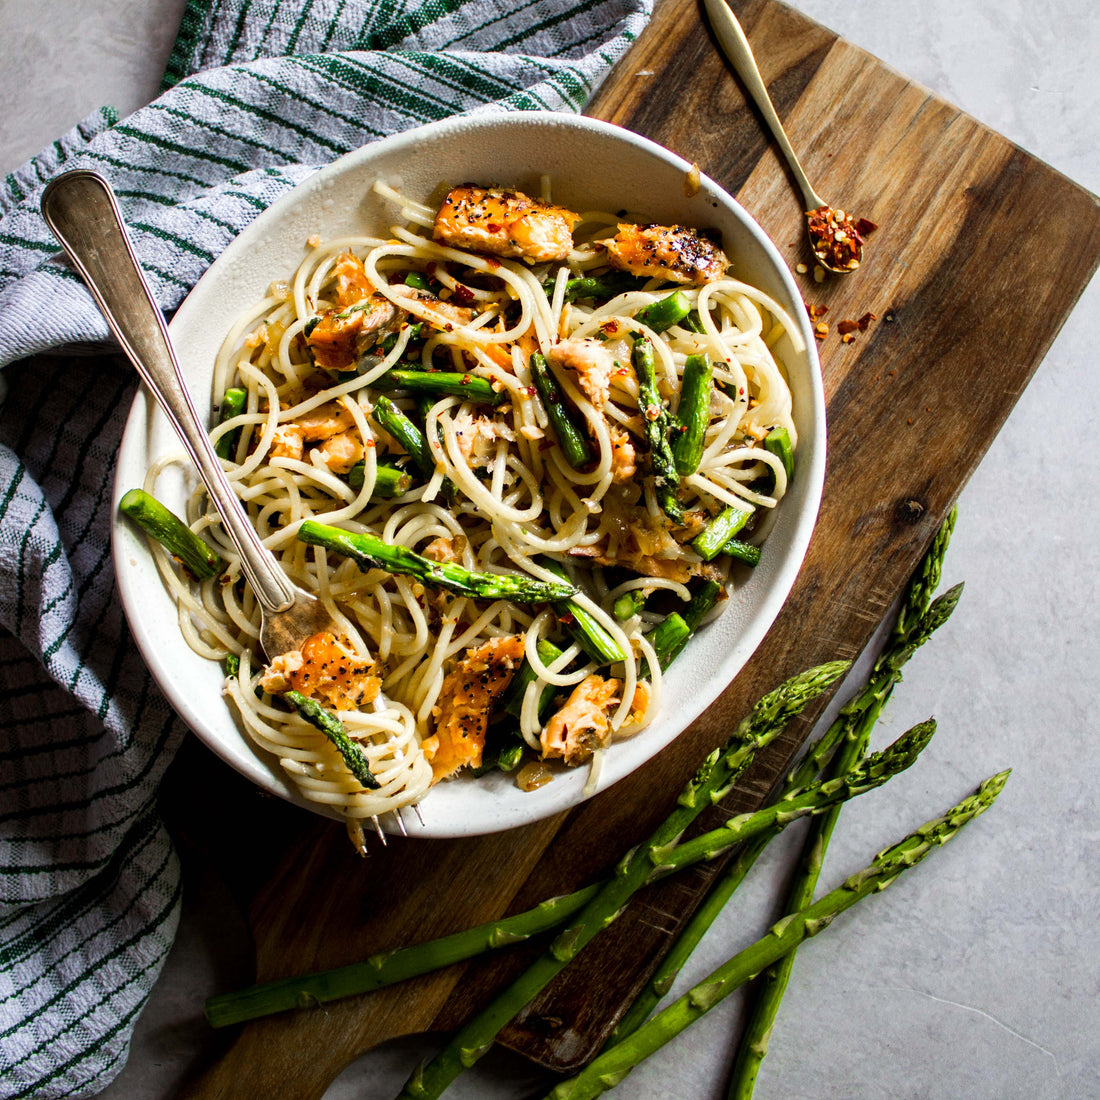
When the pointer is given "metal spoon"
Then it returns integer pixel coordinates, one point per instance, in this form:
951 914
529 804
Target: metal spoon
834 237
80 209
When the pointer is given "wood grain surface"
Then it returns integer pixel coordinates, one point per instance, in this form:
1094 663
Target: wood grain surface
980 253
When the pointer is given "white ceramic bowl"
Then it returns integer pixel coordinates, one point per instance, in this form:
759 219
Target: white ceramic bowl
592 165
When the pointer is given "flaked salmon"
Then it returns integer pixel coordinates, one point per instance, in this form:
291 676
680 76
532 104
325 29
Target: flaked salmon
583 724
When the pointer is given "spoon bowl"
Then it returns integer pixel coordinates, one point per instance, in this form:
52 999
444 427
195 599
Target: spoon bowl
835 238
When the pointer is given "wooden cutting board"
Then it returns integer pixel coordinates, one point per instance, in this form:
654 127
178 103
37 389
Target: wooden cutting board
980 254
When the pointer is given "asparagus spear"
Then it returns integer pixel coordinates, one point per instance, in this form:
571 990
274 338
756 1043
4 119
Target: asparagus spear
665 312
411 438
668 638
586 630
698 608
390 967
693 415
614 1064
810 801
440 383
693 322
655 418
569 432
917 619
743 551
513 703
711 541
333 729
628 604
778 441
390 480
172 533
598 286
233 402
372 553
713 780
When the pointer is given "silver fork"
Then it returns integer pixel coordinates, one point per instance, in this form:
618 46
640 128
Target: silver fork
80 209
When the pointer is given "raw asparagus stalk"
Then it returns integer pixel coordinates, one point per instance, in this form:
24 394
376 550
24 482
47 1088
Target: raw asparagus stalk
917 619
389 481
717 775
390 967
665 312
812 800
333 729
586 631
713 538
655 418
172 533
609 1069
233 402
567 429
372 553
693 415
438 383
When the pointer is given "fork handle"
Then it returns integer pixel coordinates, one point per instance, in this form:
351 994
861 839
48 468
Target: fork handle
80 208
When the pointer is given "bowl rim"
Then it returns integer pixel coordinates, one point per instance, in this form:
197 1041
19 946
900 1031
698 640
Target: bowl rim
261 768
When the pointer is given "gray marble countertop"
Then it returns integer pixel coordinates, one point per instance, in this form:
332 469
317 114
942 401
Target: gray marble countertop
978 976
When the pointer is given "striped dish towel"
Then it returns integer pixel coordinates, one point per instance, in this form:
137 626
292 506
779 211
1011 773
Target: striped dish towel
258 93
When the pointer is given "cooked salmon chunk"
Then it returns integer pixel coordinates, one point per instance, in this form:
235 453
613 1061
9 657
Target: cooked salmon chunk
671 252
505 223
465 701
584 723
336 340
324 669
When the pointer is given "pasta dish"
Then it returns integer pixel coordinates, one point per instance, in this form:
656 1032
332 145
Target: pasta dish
521 453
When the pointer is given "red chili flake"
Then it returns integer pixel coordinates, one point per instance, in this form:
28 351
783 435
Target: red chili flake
529 391
566 618
845 327
463 294
610 327
493 227
865 321
834 237
652 412
492 262
865 226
